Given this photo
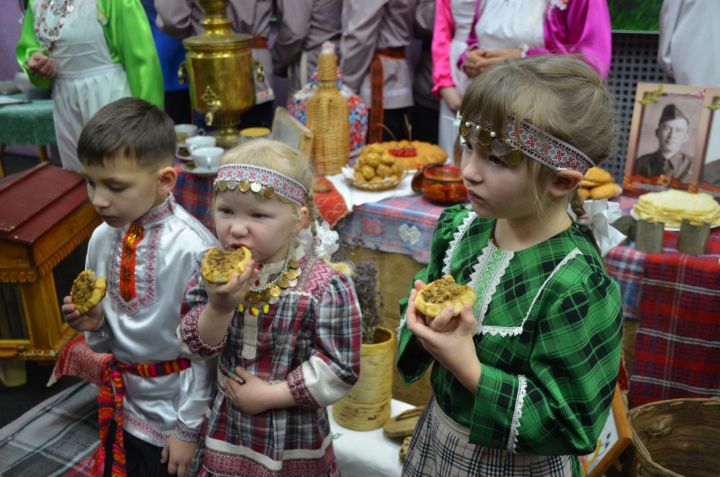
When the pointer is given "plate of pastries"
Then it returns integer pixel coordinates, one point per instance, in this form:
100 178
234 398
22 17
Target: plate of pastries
598 184
375 170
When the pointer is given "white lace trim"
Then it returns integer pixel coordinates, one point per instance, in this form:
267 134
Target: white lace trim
485 263
401 327
517 413
447 261
517 330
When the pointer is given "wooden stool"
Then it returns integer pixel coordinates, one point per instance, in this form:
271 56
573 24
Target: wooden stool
45 216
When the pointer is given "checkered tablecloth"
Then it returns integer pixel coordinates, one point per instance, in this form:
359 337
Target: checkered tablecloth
676 298
402 225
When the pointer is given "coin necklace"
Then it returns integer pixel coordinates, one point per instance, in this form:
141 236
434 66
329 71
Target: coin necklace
260 299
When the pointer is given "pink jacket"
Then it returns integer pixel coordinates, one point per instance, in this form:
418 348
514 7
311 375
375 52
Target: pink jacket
443 31
571 26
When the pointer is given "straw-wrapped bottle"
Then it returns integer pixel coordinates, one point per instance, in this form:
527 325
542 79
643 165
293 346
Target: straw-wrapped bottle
327 117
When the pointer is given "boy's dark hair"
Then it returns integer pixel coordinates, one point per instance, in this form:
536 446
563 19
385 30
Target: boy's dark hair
130 128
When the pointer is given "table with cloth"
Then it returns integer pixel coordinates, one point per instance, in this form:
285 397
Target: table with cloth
30 122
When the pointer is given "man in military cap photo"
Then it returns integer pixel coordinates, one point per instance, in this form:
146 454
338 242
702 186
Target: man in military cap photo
668 159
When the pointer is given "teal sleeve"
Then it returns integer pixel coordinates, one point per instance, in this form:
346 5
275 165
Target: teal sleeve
132 45
29 44
558 405
412 359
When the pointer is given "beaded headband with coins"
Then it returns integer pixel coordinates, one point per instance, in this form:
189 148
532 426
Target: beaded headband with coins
525 140
245 177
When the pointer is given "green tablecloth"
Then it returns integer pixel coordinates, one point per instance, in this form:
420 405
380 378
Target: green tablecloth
27 123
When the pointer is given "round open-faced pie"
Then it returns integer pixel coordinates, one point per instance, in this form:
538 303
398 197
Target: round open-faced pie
218 265
87 291
442 293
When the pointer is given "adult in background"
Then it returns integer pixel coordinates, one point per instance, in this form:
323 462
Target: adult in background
375 34
181 19
453 21
506 29
303 26
686 29
426 107
82 50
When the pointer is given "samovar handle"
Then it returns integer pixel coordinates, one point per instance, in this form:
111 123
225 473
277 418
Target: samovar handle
181 73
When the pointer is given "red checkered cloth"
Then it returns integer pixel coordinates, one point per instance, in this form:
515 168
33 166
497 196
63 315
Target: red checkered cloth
677 300
195 193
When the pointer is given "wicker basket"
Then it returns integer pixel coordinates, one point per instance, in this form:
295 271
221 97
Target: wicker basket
676 438
327 118
367 405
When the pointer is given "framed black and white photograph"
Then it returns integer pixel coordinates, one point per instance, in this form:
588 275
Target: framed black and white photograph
665 137
709 180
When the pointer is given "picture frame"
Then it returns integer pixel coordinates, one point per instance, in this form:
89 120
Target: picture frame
616 435
288 130
709 178
666 139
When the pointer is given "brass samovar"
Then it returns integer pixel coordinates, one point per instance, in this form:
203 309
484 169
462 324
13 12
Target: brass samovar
219 67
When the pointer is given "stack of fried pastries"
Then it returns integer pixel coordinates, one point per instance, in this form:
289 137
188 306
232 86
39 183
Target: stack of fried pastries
598 184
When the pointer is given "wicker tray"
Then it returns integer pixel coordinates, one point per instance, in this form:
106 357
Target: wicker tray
385 184
676 438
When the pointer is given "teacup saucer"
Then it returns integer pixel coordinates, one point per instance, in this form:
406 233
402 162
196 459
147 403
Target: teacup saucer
191 168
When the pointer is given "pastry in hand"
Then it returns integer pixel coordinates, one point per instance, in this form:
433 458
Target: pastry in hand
87 291
218 265
437 295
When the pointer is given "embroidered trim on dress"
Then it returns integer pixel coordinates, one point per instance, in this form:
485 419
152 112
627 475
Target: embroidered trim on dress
459 233
517 330
300 392
495 261
191 337
184 433
517 413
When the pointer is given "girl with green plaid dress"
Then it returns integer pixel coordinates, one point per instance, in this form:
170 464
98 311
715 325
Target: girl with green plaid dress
524 378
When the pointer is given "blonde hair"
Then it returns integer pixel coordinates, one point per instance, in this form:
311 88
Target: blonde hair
559 94
281 158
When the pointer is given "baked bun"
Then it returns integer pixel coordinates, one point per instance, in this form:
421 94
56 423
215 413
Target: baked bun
218 265
87 291
598 175
441 293
605 191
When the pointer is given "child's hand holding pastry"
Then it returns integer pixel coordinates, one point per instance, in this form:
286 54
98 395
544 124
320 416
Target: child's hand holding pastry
80 309
448 338
228 275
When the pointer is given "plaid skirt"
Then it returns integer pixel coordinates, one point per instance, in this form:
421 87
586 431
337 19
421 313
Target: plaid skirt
441 446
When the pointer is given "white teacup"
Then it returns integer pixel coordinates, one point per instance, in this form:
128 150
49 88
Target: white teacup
207 157
184 131
196 142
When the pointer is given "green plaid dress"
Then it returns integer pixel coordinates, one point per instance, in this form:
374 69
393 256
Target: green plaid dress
549 330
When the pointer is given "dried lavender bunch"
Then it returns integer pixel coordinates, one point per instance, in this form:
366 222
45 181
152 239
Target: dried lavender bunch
369 298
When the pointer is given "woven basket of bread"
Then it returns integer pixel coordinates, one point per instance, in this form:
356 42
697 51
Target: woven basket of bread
676 438
327 118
